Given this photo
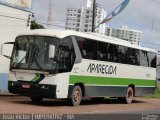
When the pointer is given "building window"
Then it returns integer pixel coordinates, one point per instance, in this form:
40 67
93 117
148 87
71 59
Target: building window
85 30
85 25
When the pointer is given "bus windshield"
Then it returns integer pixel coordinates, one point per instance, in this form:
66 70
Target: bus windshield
31 52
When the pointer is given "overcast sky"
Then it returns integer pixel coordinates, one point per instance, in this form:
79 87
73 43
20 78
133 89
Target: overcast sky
141 15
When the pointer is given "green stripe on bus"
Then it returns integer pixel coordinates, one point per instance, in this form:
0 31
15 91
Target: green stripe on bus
109 81
36 78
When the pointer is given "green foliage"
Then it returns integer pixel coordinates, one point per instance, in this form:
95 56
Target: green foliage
155 95
35 25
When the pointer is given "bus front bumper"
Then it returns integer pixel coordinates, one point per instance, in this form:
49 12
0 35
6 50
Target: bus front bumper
32 90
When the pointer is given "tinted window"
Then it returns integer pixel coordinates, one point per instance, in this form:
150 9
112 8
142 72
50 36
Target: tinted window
110 52
88 48
102 51
144 58
115 53
122 54
91 49
105 52
153 60
133 56
67 54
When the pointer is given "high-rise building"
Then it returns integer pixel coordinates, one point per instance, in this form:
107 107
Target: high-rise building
80 19
124 33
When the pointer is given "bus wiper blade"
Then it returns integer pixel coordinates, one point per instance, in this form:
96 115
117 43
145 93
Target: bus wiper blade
17 65
34 57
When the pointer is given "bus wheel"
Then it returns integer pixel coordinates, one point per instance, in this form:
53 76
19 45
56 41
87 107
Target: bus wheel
76 96
129 95
36 100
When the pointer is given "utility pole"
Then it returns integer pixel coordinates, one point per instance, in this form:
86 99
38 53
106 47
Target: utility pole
93 15
50 7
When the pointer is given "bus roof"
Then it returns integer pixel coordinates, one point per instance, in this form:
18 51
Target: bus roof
95 36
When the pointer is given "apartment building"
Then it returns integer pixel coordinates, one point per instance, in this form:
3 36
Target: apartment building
133 36
80 19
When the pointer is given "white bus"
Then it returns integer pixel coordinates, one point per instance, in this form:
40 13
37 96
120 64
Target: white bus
71 65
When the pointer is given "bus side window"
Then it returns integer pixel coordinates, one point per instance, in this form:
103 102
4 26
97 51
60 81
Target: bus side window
133 56
81 45
144 58
91 49
115 53
68 54
153 60
102 51
110 52
122 54
87 47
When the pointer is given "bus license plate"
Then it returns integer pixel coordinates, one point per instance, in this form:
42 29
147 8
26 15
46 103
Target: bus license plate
26 86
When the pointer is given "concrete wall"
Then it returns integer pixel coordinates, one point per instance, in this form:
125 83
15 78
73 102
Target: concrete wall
12 22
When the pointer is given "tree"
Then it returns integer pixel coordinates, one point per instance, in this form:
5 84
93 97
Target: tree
35 25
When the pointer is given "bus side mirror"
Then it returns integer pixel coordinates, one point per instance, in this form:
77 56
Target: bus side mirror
52 51
6 49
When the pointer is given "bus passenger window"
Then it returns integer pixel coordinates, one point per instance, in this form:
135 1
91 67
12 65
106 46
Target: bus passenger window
87 47
153 60
133 56
110 52
66 55
102 51
115 53
144 58
122 54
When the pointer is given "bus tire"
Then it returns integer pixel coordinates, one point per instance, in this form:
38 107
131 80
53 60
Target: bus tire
76 96
129 95
36 100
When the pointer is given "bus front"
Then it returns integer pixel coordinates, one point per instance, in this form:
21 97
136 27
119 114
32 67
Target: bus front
39 67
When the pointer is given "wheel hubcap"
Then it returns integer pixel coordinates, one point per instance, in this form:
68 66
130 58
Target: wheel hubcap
77 96
130 95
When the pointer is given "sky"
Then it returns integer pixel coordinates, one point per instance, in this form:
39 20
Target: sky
141 15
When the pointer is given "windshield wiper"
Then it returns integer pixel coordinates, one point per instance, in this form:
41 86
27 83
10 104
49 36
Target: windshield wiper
17 65
34 56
